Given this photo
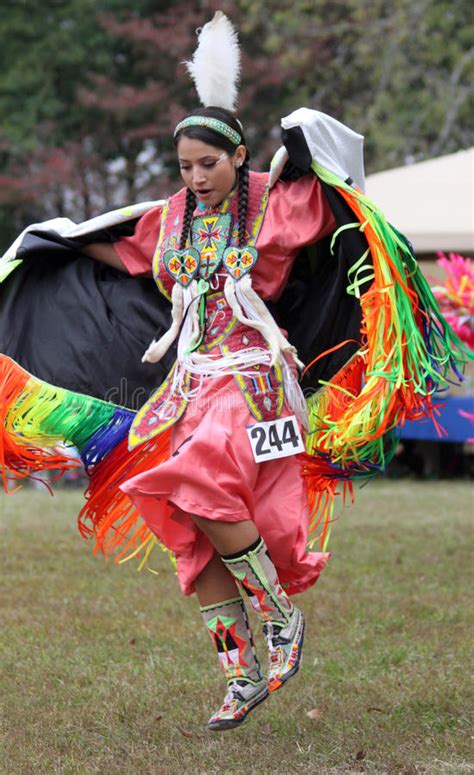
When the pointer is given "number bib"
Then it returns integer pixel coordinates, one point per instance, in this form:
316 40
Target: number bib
277 438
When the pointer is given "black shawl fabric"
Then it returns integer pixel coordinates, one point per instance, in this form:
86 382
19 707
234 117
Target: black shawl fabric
84 326
81 325
315 308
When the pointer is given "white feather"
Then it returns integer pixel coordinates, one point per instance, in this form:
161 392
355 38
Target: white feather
215 66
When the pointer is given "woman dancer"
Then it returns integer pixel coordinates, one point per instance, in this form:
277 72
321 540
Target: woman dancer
229 494
212 503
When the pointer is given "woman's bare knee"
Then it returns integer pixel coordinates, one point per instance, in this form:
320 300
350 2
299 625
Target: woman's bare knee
227 537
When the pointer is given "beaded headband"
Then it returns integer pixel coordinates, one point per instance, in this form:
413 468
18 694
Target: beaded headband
211 123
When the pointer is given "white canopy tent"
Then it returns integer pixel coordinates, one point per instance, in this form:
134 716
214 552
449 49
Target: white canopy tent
431 202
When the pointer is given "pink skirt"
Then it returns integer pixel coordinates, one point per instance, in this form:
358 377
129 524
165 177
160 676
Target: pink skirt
211 472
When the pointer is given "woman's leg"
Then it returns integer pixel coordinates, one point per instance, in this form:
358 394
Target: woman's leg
243 559
228 537
225 617
245 555
215 583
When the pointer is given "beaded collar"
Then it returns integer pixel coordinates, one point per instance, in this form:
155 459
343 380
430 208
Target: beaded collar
222 207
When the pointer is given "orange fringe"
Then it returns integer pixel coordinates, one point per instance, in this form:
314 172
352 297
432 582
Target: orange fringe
114 520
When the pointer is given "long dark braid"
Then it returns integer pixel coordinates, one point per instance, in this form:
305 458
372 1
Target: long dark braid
243 201
187 217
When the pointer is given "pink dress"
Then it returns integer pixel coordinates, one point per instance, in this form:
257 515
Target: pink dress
211 471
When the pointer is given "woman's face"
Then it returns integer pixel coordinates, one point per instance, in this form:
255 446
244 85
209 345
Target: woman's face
208 171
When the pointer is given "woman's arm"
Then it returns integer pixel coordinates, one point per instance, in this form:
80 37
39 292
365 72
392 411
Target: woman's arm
103 251
132 255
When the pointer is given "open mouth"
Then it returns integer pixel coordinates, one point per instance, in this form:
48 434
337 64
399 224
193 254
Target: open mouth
202 193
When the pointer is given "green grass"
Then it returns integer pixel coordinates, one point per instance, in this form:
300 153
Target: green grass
109 671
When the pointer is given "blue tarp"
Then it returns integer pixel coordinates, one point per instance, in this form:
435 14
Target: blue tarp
458 427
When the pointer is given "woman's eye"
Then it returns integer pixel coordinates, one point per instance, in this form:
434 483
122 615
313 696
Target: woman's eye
206 164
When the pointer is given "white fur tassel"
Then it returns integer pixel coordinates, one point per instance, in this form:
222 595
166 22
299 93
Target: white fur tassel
157 349
215 66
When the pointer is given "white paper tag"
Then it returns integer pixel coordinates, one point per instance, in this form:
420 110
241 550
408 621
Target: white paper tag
277 438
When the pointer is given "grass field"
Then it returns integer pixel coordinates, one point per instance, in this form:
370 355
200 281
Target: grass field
109 671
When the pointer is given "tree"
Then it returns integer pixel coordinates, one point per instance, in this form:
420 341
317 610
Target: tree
90 92
398 72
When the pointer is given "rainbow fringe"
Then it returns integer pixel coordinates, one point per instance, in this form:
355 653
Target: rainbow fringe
408 351
36 416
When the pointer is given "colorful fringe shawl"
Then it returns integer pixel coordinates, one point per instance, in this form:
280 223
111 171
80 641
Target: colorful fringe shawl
407 352
36 417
